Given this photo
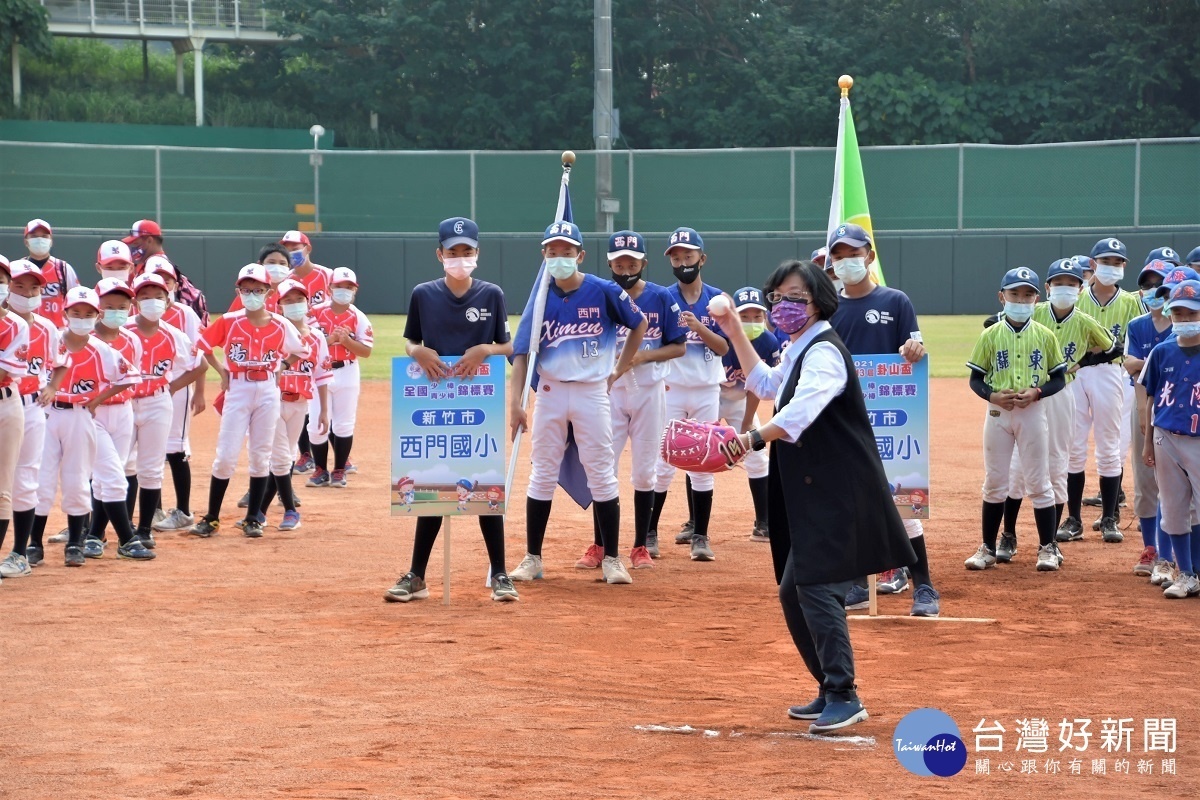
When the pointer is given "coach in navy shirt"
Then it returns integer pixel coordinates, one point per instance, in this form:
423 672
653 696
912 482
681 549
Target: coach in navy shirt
872 320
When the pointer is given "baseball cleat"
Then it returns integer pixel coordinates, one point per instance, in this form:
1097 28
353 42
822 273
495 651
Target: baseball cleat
926 602
1071 530
858 598
1109 531
241 523
1049 558
34 555
530 569
652 543
291 521
146 538
175 520
1162 572
60 537
614 571
15 565
811 711
893 581
73 556
252 529
1007 548
1093 501
350 468
1186 585
320 478
205 528
639 558
700 549
305 464
839 715
503 589
1143 568
983 558
135 550
337 478
93 548
685 532
159 516
592 558
760 533
410 587
244 502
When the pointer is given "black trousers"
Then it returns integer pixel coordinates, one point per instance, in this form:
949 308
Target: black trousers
816 617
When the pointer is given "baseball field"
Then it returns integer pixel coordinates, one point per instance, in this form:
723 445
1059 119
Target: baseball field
236 668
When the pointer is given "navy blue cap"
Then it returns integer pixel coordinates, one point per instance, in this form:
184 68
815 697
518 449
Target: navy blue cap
1163 254
626 243
563 231
849 233
1185 295
819 257
458 230
1021 276
1175 277
1085 262
1065 266
1156 267
1194 256
1110 247
685 237
749 297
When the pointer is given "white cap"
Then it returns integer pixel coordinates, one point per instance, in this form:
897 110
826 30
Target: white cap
113 250
254 272
82 295
291 285
110 285
343 275
160 264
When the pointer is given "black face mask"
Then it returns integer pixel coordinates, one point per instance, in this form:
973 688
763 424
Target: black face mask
686 274
627 282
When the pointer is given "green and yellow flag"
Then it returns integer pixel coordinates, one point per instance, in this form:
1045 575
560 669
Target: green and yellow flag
849 202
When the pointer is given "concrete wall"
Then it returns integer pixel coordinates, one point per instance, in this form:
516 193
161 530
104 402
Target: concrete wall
942 273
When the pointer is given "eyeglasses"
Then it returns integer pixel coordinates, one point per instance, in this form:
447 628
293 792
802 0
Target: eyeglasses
252 292
794 297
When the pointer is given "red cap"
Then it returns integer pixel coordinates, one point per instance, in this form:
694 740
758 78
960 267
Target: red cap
295 237
143 227
35 224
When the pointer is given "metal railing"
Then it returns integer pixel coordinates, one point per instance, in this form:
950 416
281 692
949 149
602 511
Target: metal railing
232 14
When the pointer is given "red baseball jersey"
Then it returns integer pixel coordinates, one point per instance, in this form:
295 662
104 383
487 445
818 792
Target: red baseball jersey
317 282
129 347
164 351
60 278
43 355
308 373
14 348
184 318
248 346
352 318
91 370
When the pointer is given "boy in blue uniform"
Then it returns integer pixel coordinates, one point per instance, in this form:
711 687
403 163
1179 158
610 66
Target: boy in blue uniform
575 368
456 315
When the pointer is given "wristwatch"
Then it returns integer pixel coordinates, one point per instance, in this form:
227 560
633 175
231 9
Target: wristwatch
756 440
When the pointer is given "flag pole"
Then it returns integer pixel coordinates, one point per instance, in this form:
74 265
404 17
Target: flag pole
535 330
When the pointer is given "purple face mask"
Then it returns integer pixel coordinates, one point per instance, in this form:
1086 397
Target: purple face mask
789 317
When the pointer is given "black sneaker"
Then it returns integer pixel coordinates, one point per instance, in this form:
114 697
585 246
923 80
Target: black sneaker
245 501
652 543
252 529
134 549
1007 547
73 556
205 528
34 555
1109 531
1093 501
146 537
93 548
1071 530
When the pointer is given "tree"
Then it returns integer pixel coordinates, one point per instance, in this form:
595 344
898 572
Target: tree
27 22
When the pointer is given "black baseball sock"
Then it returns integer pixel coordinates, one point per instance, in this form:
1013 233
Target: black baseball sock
537 516
691 498
609 514
269 494
643 507
597 539
920 570
38 530
287 495
76 525
149 498
118 515
3 530
993 515
321 455
423 541
1012 508
22 527
1110 490
305 447
1044 517
131 494
660 500
1075 482
98 522
216 496
341 451
258 488
758 493
492 528
181 477
1058 511
702 510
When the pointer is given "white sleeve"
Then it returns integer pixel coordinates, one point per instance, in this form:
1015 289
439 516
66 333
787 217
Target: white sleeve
363 333
322 375
764 380
10 359
186 356
822 378
292 344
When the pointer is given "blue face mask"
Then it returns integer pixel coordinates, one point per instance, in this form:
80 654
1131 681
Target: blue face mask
1186 329
297 259
1018 312
1152 302
561 267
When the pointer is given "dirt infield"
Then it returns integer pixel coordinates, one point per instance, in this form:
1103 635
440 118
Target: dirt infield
235 668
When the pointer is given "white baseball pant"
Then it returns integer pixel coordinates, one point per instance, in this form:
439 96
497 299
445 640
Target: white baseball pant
914 528
639 416
585 405
732 409
1145 485
1127 400
701 403
29 462
1025 429
287 434
114 437
1098 408
152 420
67 457
179 437
1177 470
250 407
12 428
342 392
1060 424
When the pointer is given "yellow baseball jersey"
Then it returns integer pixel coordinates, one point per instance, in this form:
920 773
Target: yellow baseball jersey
1077 333
1016 359
1113 316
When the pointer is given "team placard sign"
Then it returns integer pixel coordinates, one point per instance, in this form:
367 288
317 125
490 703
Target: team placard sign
897 397
447 441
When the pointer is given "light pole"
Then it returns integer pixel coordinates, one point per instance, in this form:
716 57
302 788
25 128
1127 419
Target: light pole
316 131
602 117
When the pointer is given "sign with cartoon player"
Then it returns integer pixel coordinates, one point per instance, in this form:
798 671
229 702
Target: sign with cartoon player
897 397
448 441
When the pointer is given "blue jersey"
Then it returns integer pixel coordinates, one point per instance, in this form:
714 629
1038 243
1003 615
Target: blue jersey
767 347
1141 337
452 325
1172 384
579 330
785 341
877 323
698 366
662 327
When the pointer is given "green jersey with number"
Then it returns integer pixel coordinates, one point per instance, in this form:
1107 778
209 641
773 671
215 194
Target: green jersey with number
1077 333
1016 359
1113 316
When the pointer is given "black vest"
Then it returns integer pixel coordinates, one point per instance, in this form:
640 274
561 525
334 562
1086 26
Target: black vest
828 497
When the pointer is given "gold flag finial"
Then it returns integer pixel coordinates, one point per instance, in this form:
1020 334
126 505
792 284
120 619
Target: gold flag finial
847 83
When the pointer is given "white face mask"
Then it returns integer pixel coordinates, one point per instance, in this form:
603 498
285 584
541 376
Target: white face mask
294 311
343 297
277 272
1108 275
460 268
561 267
152 309
24 305
119 274
838 285
1018 312
81 326
39 247
1063 297
254 302
851 270
3 292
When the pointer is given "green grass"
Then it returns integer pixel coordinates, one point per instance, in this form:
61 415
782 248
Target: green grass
948 339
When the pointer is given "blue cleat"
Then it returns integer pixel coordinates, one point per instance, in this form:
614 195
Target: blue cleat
93 548
291 521
894 581
839 715
926 602
857 598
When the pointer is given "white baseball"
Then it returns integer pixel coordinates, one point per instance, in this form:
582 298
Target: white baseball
719 306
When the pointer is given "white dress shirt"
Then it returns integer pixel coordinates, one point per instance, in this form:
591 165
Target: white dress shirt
824 378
